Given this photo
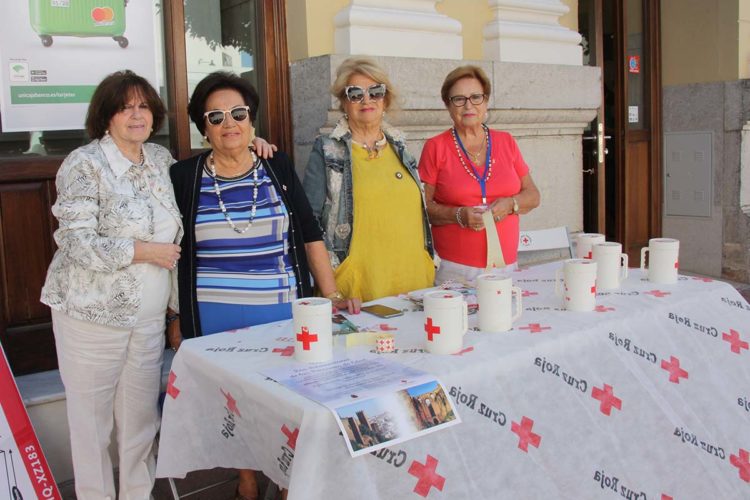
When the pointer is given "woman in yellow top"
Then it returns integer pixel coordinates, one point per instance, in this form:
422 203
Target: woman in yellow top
364 188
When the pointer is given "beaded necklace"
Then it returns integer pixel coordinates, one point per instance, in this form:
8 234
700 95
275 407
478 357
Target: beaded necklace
374 150
223 208
474 171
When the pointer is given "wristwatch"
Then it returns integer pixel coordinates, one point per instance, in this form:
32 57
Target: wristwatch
335 296
515 205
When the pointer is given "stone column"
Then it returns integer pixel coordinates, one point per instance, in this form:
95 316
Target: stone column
745 170
405 28
529 31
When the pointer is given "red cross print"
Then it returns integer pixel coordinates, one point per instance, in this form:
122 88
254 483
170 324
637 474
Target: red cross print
534 327
525 436
306 338
742 462
291 436
657 293
525 240
528 293
593 289
666 497
704 280
463 351
734 339
171 389
673 367
427 476
431 329
231 403
589 255
677 264
607 398
603 309
287 351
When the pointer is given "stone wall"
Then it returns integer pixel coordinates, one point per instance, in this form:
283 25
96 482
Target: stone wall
546 107
718 245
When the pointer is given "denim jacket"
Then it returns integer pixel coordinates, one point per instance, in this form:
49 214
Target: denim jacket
328 184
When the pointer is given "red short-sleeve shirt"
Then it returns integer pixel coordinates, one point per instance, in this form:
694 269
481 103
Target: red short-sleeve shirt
440 167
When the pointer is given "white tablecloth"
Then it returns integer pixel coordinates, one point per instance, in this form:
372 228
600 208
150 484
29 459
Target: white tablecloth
649 396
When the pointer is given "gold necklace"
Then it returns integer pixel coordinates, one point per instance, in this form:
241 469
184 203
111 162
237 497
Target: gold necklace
475 156
373 151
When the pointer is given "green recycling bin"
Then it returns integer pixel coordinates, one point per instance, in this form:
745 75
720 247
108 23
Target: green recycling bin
81 18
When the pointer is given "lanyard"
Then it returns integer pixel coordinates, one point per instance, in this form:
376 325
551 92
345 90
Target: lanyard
483 179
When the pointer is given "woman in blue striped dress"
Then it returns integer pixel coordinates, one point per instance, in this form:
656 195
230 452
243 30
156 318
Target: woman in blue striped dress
251 240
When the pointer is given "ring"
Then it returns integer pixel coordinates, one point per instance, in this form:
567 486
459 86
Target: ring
497 218
174 264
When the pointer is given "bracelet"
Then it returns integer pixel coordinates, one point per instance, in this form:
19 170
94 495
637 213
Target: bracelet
335 296
172 317
458 217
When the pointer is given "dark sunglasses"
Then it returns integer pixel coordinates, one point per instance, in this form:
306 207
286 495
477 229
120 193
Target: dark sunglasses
238 114
460 100
355 93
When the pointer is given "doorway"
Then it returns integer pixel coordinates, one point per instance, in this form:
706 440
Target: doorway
622 181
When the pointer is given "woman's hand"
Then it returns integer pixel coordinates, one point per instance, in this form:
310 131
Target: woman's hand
350 305
472 218
501 208
159 254
263 148
174 334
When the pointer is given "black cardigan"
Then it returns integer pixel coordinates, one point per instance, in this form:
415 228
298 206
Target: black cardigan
303 228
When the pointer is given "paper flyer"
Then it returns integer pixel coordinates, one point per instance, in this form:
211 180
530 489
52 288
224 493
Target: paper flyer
376 402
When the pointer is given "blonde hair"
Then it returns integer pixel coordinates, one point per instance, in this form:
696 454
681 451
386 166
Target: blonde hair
468 71
365 67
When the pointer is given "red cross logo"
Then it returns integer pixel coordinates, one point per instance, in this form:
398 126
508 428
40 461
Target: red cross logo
463 351
427 476
734 338
673 367
742 462
291 437
431 329
666 497
306 338
525 240
528 293
603 309
704 280
525 436
657 293
231 403
385 327
534 327
607 398
171 389
677 264
287 351
589 255
593 289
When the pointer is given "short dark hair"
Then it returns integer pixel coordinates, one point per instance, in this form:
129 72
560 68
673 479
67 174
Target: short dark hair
468 71
111 96
220 80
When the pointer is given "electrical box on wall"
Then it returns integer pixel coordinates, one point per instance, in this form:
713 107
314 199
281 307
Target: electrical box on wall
688 173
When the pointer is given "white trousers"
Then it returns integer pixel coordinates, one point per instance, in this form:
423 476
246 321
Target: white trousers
453 271
112 378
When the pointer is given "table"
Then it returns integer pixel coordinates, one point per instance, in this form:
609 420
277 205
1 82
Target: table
647 397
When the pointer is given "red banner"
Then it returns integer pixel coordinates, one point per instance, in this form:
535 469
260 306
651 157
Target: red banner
19 445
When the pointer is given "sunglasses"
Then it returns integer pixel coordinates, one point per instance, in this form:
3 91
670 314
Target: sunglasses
355 93
238 114
460 100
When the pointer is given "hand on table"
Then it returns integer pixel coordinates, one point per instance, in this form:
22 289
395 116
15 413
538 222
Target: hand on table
351 305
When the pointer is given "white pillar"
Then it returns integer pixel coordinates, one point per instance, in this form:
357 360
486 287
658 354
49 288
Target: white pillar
405 28
529 31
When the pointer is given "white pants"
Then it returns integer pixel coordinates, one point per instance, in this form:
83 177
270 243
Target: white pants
453 271
112 378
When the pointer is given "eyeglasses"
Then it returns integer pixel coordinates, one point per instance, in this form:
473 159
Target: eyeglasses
238 114
460 100
355 93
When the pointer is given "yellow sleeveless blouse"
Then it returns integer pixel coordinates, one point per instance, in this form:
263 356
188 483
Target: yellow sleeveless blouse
387 254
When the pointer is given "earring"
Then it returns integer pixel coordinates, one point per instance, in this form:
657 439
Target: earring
346 116
106 132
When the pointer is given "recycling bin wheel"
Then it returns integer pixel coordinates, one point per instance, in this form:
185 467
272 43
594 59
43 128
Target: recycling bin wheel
121 40
46 40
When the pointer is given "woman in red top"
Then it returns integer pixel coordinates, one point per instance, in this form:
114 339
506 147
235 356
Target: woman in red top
467 170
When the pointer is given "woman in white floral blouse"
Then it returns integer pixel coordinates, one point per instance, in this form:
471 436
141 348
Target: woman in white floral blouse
110 282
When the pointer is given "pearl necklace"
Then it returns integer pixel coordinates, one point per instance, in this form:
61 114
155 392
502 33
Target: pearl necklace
223 208
461 158
374 151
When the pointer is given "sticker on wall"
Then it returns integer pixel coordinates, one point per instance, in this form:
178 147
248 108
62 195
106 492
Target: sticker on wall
634 64
632 114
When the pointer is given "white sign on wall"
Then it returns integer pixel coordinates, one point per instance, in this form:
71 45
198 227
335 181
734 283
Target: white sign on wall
53 53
